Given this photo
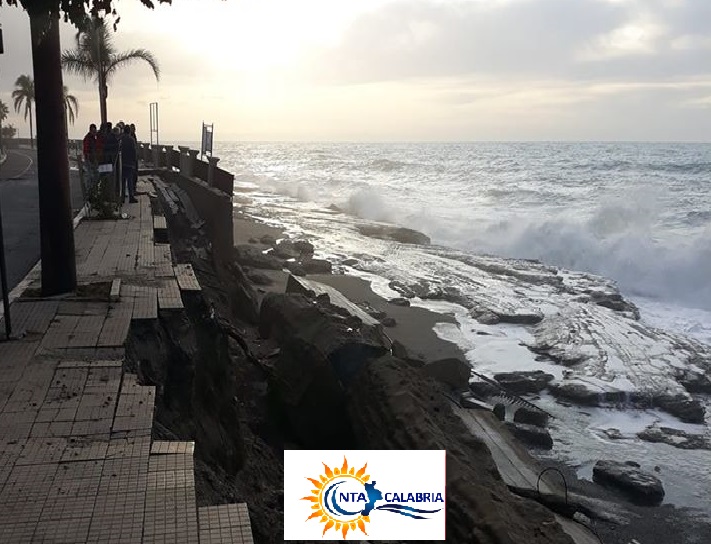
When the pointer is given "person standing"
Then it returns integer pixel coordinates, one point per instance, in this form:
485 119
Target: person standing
129 158
91 156
135 140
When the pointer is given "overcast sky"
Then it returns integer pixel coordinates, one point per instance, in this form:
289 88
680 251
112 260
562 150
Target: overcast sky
404 69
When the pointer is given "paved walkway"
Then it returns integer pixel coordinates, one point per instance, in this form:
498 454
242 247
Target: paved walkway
77 462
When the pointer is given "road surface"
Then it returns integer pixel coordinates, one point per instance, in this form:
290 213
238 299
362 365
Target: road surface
20 211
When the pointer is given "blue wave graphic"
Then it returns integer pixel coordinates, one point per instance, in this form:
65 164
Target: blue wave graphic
408 511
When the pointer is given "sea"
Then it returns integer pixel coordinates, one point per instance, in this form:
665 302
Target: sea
635 216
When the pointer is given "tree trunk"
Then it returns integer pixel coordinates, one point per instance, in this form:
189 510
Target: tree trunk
103 93
32 139
56 228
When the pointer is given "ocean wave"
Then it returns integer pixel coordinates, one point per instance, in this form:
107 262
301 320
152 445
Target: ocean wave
387 165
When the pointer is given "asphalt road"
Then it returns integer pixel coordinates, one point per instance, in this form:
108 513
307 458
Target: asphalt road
20 211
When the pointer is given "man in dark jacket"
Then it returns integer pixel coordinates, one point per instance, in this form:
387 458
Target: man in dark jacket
129 159
91 155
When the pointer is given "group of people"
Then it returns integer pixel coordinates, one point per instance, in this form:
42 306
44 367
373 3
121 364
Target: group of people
105 146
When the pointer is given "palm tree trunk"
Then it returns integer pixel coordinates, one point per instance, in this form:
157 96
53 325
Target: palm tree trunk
56 229
103 93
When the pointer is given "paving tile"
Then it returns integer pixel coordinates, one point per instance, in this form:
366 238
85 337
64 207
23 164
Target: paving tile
169 294
187 281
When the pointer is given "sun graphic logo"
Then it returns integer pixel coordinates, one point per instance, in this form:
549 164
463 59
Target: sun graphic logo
384 495
342 498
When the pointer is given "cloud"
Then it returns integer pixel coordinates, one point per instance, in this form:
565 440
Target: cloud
524 39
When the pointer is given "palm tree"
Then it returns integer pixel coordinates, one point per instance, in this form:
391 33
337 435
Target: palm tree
4 112
71 106
24 95
95 57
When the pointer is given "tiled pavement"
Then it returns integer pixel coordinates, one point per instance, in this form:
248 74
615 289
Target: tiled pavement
77 464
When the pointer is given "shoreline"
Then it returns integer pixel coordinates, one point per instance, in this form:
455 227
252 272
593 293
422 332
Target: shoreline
417 330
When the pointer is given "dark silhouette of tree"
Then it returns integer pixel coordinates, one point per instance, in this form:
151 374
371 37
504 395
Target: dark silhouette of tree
4 112
24 97
95 57
56 226
71 105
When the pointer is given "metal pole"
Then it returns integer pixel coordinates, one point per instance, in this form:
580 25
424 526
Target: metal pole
5 294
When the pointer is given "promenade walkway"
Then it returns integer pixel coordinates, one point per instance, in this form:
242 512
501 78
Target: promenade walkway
77 462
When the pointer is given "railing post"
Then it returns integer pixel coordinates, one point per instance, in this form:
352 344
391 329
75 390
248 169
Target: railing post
190 162
183 158
156 149
212 164
169 157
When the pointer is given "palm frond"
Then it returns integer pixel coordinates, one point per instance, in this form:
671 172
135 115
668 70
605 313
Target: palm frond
129 57
77 64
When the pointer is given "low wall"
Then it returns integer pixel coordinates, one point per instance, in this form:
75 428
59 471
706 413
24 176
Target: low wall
222 180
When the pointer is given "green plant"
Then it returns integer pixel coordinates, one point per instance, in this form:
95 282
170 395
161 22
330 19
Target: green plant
100 197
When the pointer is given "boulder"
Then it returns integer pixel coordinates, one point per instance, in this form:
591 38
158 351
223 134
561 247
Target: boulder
251 256
295 268
500 411
530 416
613 434
641 487
614 301
286 250
531 435
399 350
259 278
304 247
321 351
522 383
696 382
388 322
575 392
397 234
316 266
400 301
350 262
483 390
675 437
268 240
467 401
685 408
452 372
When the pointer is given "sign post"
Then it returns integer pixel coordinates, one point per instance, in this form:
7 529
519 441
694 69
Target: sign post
206 145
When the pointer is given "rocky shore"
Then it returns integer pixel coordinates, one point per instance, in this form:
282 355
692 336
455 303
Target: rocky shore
280 351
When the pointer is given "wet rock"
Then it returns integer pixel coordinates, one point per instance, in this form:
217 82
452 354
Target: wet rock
614 301
686 409
531 435
500 411
316 266
259 278
695 382
268 240
574 392
449 294
251 256
295 268
530 416
350 262
398 234
484 317
420 289
399 350
452 372
388 322
286 250
483 390
304 247
400 301
613 434
675 437
641 487
522 383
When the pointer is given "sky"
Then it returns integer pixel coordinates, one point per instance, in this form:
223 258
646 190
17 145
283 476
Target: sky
402 70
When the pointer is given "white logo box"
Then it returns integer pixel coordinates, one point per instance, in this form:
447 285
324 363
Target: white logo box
400 495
